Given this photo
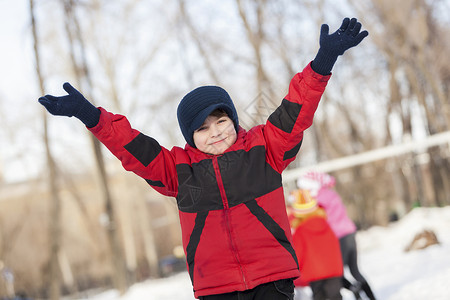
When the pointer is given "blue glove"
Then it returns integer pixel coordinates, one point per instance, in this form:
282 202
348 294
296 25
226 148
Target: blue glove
73 104
333 45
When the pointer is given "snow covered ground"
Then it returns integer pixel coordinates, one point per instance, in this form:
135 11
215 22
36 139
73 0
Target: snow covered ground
392 273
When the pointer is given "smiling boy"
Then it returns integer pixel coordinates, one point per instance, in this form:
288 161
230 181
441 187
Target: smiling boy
226 180
216 134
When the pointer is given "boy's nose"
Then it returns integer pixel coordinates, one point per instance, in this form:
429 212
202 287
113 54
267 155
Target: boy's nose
214 130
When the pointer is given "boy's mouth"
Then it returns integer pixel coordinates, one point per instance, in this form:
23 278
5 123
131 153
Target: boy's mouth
218 142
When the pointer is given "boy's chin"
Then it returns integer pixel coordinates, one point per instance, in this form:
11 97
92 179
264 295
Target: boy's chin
216 150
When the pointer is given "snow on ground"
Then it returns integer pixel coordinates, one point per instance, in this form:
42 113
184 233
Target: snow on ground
392 273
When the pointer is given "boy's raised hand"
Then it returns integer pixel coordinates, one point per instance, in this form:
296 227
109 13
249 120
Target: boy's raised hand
335 44
73 104
347 36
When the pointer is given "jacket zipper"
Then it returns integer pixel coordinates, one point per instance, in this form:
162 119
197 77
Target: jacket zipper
227 216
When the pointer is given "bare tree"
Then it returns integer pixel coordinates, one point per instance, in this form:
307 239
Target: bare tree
55 214
413 39
199 41
256 37
82 75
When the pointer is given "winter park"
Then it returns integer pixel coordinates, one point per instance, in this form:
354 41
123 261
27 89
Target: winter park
242 149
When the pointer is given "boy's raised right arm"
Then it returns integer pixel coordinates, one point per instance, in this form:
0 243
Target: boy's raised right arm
138 153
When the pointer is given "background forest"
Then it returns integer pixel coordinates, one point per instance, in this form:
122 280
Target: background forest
72 219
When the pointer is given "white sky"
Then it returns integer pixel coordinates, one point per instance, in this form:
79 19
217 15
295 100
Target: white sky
17 84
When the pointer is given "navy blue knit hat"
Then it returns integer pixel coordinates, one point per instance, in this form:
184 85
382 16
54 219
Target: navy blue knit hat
196 106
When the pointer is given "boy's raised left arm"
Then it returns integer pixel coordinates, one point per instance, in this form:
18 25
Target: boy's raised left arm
333 45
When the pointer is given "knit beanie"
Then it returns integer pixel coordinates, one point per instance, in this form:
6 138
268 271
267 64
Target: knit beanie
304 203
196 106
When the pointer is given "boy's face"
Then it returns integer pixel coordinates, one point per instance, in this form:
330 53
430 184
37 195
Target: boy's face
216 135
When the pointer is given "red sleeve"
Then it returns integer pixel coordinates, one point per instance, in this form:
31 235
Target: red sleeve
284 129
138 153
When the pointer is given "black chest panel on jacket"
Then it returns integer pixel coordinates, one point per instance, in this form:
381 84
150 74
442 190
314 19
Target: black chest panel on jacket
245 176
197 187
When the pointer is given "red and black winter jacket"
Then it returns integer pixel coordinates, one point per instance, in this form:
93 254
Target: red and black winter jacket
235 230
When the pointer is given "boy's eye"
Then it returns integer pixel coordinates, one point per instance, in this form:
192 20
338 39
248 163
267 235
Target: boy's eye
201 128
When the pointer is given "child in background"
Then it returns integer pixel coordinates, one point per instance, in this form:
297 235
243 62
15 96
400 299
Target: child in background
226 180
317 248
320 185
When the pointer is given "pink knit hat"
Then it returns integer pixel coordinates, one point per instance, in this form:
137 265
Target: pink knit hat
314 181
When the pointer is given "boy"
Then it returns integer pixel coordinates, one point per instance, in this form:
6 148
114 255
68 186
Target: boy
226 181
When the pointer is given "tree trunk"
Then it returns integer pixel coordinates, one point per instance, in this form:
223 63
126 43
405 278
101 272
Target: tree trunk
55 202
82 74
